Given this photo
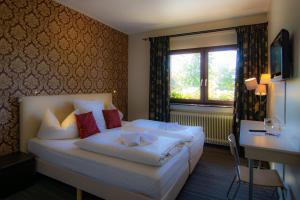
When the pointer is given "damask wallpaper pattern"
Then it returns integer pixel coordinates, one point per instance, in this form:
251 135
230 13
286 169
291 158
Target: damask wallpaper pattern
46 48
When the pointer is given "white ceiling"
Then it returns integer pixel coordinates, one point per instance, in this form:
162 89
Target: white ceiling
134 16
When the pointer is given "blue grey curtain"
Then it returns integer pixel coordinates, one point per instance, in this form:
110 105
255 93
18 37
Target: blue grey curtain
252 61
159 97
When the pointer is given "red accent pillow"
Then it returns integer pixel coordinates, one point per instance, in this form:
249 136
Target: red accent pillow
86 125
112 118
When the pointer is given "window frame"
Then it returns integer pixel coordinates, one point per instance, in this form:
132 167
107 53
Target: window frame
203 75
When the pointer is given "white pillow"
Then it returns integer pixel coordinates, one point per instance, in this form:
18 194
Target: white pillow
112 106
51 129
95 107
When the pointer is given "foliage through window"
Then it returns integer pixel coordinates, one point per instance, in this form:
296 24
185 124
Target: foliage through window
205 75
185 76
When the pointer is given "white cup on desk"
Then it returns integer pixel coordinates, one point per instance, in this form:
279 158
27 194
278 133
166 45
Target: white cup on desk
272 126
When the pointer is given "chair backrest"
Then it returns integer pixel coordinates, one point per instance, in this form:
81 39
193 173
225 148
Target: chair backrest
235 153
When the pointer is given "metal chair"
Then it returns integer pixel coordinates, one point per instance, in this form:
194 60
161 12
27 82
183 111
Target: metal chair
261 177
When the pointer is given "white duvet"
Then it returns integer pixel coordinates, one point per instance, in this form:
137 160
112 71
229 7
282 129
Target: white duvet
155 154
174 130
193 136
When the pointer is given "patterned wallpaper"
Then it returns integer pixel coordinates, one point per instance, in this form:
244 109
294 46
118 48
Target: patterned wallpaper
46 48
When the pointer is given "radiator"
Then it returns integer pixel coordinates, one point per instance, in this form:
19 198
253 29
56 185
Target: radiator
216 126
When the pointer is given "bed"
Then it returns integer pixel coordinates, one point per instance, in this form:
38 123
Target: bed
196 146
103 176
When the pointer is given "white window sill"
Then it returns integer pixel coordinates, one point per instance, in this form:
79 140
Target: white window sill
201 108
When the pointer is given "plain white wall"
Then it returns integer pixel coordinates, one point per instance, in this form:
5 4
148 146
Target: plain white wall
139 56
138 77
286 14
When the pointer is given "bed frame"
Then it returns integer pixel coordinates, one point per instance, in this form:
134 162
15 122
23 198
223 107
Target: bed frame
32 109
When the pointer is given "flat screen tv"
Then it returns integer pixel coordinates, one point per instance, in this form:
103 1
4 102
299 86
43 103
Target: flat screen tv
281 64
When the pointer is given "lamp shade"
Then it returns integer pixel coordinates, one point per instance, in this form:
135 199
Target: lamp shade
251 83
265 79
261 90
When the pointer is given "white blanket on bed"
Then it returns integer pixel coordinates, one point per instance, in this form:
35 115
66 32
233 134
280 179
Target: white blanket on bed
162 128
110 144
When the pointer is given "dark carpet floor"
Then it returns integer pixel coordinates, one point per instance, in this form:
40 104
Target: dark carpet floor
210 180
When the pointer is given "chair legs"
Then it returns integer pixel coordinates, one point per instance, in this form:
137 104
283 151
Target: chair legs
274 192
229 189
282 193
236 190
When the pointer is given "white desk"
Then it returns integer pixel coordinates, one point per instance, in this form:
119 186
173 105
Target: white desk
283 149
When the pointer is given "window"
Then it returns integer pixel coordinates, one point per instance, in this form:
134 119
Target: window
205 75
185 76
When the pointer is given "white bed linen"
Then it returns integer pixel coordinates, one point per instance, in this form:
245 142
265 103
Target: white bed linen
188 132
110 144
196 132
196 150
147 180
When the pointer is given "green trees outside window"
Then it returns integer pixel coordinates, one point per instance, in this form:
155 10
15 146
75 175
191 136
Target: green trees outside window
185 76
221 75
204 75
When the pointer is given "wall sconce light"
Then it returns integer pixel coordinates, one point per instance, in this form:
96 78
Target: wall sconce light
261 90
265 79
251 83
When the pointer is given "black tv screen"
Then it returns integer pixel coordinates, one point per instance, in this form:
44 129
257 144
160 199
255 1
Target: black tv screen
280 56
276 59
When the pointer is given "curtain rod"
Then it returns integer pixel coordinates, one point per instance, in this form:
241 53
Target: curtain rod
205 31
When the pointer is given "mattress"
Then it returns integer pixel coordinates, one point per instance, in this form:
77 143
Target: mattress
151 181
196 150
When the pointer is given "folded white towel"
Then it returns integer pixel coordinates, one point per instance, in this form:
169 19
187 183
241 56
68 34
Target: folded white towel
131 139
148 139
136 139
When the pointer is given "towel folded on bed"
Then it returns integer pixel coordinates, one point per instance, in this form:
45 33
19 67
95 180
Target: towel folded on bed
131 140
135 139
156 154
148 138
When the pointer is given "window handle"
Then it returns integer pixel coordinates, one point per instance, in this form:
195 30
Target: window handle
201 82
206 82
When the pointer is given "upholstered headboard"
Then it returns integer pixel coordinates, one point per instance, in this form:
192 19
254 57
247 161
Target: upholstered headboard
32 109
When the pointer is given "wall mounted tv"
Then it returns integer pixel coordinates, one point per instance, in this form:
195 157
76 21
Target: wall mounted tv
281 65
